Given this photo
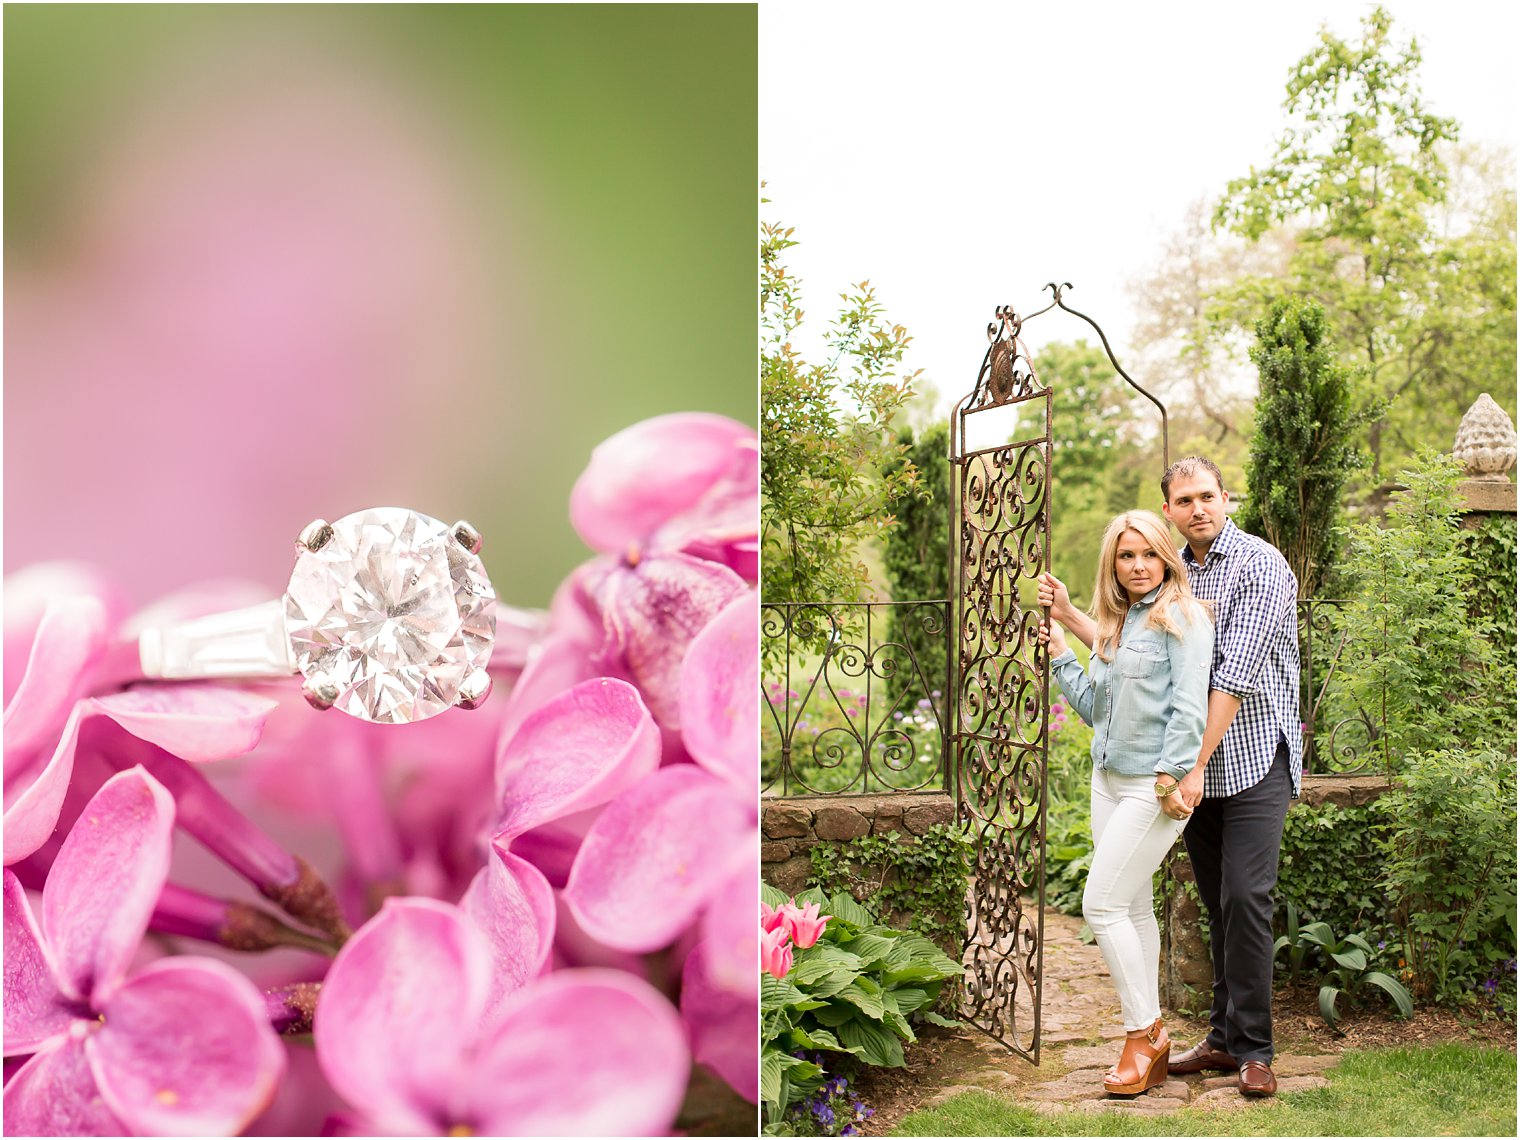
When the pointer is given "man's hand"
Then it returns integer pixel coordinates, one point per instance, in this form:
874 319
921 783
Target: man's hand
1190 788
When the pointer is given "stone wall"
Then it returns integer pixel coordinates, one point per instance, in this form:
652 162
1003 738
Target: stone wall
792 827
1186 973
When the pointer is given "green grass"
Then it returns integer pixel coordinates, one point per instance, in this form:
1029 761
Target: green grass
1444 1090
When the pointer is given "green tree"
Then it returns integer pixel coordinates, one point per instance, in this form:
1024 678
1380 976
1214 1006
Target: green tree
916 554
1306 441
831 471
1360 173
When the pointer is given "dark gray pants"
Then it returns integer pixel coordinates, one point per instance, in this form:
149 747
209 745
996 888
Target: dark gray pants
1233 843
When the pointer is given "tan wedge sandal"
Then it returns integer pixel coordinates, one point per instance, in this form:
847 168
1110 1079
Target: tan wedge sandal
1142 1065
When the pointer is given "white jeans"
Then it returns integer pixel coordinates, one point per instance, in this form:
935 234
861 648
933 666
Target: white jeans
1131 836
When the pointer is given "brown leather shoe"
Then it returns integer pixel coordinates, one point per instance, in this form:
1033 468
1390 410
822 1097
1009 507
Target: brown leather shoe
1200 1057
1256 1079
1142 1065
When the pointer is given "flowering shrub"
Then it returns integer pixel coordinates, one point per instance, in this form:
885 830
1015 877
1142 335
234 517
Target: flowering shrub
852 992
552 892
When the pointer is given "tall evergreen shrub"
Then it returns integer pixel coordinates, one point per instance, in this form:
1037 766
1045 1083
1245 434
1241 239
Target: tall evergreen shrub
1305 445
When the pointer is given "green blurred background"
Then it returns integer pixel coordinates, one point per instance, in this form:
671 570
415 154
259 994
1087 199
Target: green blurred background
575 186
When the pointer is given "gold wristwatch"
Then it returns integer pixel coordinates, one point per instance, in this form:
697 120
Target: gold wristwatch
1164 790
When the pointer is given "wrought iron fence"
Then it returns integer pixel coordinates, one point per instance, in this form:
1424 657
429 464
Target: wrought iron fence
851 706
1338 735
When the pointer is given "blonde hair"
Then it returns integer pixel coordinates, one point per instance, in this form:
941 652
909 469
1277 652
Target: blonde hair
1111 601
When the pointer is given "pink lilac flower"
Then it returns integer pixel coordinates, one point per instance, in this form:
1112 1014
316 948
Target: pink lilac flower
414 1033
593 827
182 1045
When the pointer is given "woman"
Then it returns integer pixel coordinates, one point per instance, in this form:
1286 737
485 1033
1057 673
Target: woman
1146 695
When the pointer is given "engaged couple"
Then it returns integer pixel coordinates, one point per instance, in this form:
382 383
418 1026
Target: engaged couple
1192 693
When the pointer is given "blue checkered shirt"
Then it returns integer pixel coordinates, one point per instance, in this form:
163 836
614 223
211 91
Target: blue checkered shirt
1255 599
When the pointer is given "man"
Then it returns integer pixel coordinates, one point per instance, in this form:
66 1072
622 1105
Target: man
1249 765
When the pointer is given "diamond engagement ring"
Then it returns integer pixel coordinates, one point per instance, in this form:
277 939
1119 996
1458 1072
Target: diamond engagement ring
389 617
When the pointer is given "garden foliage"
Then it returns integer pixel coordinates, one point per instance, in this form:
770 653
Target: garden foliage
1419 295
916 553
920 881
829 477
1305 446
852 992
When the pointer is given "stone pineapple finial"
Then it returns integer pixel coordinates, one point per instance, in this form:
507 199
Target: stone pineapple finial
1486 441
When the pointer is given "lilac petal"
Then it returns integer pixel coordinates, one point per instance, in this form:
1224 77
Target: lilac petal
27 595
574 947
34 1006
54 1094
400 1009
512 904
34 799
186 1050
106 881
647 474
551 847
194 722
727 516
70 639
724 1026
579 750
732 938
720 693
580 1053
562 663
651 612
657 855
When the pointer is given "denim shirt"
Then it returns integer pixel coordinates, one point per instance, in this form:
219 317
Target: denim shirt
1149 705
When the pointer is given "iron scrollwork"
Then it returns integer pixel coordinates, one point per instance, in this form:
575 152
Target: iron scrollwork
1000 729
865 718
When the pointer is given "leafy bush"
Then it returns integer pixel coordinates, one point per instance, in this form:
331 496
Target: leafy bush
1330 868
852 992
920 880
1414 657
1449 864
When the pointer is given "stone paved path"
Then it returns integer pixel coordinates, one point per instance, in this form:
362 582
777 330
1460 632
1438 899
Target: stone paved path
1081 1028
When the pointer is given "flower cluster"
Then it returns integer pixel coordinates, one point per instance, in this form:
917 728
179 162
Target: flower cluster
786 926
555 891
831 1111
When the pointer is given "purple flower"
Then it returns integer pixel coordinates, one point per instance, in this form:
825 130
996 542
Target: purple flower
183 1045
925 703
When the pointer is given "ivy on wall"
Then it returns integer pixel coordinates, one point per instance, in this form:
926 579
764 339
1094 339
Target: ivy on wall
917 882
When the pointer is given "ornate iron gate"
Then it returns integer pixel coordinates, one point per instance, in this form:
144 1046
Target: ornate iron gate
999 715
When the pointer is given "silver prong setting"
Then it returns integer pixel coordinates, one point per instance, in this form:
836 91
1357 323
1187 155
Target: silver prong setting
474 689
320 693
316 534
467 537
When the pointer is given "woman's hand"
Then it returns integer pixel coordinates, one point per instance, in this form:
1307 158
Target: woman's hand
1053 593
1172 803
1052 638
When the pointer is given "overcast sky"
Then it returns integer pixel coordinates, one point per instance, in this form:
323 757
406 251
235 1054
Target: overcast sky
962 155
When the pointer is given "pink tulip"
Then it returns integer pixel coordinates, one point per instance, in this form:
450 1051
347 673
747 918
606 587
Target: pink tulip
776 952
770 919
803 923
